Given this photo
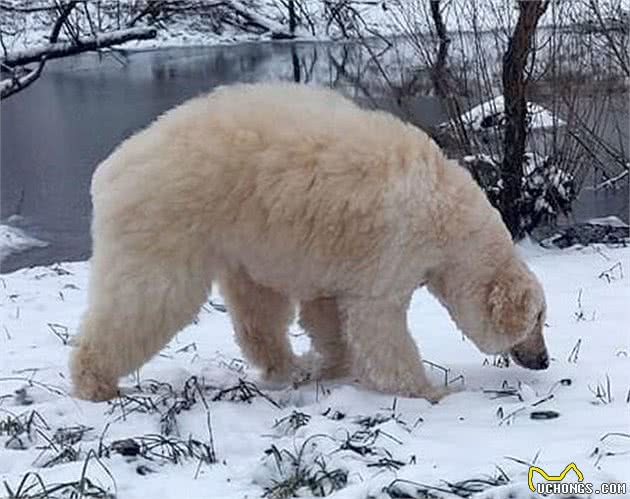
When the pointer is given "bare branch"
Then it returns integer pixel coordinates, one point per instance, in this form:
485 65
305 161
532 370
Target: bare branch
63 16
14 84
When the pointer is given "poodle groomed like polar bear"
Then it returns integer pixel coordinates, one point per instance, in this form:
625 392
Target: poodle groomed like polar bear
287 195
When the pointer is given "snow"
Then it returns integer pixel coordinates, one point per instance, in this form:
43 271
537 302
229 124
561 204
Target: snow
13 240
480 157
490 114
358 436
610 221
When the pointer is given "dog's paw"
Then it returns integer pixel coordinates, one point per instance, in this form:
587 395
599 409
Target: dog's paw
436 393
89 386
313 367
89 383
295 372
304 368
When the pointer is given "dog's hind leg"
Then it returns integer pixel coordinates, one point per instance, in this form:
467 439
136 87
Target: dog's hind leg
138 300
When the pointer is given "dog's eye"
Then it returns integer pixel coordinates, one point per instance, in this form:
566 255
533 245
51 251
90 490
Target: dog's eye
539 318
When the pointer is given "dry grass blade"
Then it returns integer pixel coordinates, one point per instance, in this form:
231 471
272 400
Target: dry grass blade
155 447
300 476
244 391
21 429
184 401
408 489
60 331
292 422
33 486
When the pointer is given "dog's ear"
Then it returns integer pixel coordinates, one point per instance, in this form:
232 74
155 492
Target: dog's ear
512 303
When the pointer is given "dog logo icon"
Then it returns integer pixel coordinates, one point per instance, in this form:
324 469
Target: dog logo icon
552 478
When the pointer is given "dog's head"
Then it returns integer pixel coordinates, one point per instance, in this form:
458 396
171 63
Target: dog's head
502 314
516 309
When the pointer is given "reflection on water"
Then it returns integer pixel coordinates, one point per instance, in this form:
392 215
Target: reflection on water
57 131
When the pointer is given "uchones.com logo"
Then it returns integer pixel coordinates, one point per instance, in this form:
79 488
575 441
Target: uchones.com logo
567 484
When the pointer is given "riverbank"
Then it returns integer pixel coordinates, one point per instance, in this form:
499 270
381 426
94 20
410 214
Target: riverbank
194 24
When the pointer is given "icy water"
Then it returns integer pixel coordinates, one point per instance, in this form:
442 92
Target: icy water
57 131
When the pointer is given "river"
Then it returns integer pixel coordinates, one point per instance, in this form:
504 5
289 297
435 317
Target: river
57 131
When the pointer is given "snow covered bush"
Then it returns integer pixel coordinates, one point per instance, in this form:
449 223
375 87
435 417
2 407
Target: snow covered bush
547 187
547 190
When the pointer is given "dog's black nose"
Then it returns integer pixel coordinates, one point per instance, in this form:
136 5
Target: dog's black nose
539 362
543 360
530 361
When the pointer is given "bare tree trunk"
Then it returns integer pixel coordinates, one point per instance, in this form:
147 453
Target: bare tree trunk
292 18
441 79
440 28
295 61
515 96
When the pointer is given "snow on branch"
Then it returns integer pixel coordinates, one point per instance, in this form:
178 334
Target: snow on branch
276 29
15 83
82 44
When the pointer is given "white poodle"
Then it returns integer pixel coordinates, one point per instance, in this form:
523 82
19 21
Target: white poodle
286 193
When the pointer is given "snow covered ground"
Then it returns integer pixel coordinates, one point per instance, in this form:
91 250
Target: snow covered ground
13 240
338 438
